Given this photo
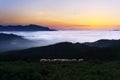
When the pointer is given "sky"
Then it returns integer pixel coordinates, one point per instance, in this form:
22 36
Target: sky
62 14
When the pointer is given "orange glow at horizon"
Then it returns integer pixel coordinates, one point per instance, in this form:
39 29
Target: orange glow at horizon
52 20
69 24
62 14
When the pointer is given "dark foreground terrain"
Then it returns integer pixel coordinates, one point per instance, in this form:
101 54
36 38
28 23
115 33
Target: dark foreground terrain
60 71
100 60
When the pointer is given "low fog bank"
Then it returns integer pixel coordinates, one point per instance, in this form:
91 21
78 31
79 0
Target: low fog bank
15 40
10 42
51 37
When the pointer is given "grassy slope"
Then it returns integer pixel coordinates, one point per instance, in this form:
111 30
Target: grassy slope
60 71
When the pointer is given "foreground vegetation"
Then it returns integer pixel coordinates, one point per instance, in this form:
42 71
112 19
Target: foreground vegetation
60 70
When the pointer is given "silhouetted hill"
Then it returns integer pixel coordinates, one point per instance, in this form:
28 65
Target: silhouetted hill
64 50
101 50
105 43
30 27
13 42
6 37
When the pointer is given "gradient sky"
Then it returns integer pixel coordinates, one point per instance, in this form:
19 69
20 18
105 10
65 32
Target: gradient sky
62 14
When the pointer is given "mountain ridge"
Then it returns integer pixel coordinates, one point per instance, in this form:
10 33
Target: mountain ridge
10 42
31 27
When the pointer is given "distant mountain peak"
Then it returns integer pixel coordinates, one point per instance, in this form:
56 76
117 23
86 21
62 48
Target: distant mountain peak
31 27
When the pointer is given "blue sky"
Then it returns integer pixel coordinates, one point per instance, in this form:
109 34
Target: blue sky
60 13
